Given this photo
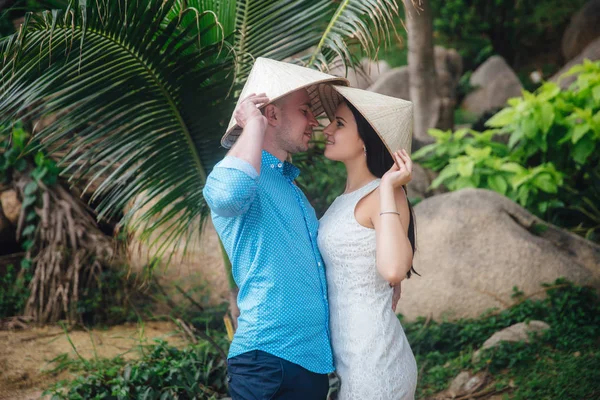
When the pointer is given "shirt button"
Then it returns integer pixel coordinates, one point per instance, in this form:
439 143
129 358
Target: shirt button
272 165
280 165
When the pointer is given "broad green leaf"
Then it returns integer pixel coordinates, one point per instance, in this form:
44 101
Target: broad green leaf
30 188
461 133
39 158
464 182
446 173
545 182
574 70
596 93
583 148
515 138
478 154
548 91
502 118
579 131
547 117
440 135
497 183
465 167
423 151
512 167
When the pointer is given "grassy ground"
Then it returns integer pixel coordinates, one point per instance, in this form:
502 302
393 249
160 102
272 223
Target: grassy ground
562 363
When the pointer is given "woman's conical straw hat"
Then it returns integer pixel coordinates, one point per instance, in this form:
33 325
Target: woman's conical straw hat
277 79
392 118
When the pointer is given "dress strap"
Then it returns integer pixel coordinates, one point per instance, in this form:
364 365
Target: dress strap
366 190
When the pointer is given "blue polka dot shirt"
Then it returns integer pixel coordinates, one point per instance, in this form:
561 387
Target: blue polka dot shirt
269 230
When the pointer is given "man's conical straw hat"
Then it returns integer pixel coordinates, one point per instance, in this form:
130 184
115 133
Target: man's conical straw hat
277 79
392 118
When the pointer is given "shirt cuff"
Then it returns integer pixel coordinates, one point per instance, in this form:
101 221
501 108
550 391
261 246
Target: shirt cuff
238 164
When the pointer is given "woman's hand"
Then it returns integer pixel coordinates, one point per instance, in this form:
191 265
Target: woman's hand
248 110
401 172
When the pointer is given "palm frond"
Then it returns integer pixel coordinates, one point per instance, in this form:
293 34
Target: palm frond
282 29
141 105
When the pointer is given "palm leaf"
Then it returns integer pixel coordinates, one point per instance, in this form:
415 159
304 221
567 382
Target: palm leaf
140 105
282 29
141 89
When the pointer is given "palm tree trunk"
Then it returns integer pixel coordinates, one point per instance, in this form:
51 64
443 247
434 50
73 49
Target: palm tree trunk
421 64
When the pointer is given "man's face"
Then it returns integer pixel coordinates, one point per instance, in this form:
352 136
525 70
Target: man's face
297 122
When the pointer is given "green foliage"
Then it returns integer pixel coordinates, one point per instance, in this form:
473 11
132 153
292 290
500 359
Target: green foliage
143 90
162 372
39 170
544 369
562 363
20 7
550 163
481 28
16 159
114 297
13 292
322 180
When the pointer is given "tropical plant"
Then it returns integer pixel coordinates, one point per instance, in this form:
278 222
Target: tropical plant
550 164
141 91
57 262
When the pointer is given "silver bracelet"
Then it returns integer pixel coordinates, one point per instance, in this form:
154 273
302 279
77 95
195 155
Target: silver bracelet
389 212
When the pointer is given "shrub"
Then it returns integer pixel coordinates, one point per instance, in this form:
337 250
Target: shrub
551 162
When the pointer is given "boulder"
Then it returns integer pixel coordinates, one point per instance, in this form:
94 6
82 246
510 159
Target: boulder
474 246
448 65
496 82
583 29
393 83
466 383
363 75
515 333
591 52
418 187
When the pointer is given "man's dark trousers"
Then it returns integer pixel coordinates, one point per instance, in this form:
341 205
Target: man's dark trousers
257 375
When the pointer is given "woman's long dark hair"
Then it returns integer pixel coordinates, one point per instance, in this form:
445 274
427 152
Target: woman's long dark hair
379 161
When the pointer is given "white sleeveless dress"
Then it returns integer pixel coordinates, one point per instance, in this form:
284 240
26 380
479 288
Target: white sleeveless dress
372 356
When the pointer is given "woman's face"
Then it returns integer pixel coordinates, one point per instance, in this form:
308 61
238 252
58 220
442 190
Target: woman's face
343 142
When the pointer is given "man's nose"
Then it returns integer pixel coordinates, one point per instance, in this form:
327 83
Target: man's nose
312 120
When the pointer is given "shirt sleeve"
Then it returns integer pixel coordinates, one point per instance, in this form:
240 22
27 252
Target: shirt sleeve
231 187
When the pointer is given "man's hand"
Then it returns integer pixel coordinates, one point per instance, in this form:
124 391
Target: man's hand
396 296
248 109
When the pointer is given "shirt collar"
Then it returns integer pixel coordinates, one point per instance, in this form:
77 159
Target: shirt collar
285 168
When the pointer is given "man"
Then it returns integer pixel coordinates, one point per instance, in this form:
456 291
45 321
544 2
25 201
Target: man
281 349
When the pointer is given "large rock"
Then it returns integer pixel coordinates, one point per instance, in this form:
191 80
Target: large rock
474 245
394 83
496 82
363 75
515 333
418 187
583 29
448 65
465 383
591 52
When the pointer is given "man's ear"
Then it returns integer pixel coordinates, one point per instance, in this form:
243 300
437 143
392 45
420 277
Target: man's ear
273 114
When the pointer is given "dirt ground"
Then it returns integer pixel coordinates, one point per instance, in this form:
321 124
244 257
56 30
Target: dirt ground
25 354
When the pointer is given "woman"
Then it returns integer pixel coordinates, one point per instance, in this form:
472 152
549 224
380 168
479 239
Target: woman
366 238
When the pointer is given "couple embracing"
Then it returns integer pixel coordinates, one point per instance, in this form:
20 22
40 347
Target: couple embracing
316 295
